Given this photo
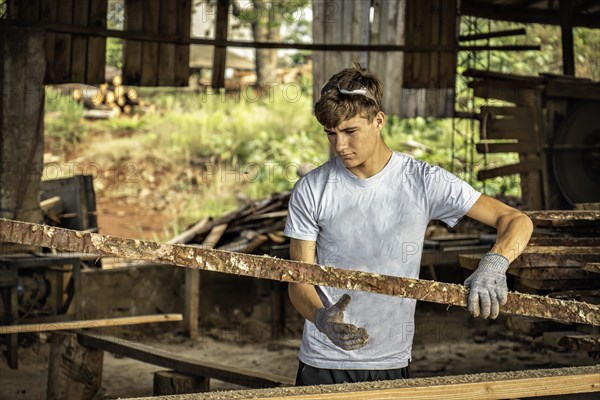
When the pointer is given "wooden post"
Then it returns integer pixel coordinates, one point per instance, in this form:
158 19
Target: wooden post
220 52
566 30
171 382
287 271
74 371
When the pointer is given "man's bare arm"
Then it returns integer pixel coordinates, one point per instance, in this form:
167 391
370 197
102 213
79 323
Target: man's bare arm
304 297
513 227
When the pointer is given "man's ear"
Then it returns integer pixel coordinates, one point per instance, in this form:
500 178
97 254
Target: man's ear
380 119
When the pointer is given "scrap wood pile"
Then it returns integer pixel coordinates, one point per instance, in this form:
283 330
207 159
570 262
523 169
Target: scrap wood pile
562 261
255 228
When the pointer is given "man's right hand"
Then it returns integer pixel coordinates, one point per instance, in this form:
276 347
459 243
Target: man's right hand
330 321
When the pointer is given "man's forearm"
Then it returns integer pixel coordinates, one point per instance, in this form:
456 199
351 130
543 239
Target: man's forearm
305 299
514 231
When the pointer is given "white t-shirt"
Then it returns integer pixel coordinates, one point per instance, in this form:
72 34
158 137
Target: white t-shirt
376 225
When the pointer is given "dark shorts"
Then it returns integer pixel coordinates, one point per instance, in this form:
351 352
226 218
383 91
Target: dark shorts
308 375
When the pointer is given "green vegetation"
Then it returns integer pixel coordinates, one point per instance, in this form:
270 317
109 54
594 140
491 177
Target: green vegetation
64 126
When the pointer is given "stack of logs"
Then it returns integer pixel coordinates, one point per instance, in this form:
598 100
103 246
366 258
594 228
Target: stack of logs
108 100
562 260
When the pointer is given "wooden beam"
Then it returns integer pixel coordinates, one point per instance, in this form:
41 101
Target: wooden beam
181 363
516 14
92 323
284 270
488 386
220 51
566 31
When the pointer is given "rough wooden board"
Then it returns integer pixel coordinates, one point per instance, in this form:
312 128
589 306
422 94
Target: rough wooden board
92 323
533 327
285 270
564 217
477 386
592 267
181 363
581 342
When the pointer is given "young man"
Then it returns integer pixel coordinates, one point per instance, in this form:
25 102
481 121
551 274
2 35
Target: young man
367 209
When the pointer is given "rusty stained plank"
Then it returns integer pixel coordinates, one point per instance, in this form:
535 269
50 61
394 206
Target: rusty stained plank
560 218
284 270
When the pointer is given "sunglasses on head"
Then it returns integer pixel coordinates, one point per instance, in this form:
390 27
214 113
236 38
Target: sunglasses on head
362 91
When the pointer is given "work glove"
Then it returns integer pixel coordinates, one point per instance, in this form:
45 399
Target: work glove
488 286
330 321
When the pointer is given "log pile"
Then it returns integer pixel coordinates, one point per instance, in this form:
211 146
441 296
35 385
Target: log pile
561 261
108 100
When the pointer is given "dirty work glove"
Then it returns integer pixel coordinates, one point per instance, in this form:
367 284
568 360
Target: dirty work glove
330 321
488 286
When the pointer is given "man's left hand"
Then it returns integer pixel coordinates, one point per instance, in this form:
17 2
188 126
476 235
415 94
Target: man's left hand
488 289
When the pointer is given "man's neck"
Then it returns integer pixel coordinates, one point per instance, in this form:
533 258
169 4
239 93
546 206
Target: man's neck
375 164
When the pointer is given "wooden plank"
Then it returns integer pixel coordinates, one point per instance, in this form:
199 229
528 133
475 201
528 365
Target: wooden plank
74 371
150 24
559 284
374 36
189 234
579 342
573 90
284 270
564 217
132 49
493 148
48 14
345 28
393 76
489 386
510 112
80 42
62 45
318 57
553 273
437 20
96 51
511 169
508 128
92 323
181 363
592 267
532 327
166 60
182 51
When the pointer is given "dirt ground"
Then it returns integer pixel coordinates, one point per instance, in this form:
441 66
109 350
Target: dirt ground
447 342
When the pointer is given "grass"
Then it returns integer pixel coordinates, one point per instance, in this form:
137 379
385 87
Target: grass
201 154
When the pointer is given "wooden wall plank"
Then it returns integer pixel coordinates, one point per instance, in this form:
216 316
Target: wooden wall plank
48 12
375 57
96 52
449 37
393 74
79 42
29 10
166 60
182 52
345 26
132 49
62 47
150 24
318 57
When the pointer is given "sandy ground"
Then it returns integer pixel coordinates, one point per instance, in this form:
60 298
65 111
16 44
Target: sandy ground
447 342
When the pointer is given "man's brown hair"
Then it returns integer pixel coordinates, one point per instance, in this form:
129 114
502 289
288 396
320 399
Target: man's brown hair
350 92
